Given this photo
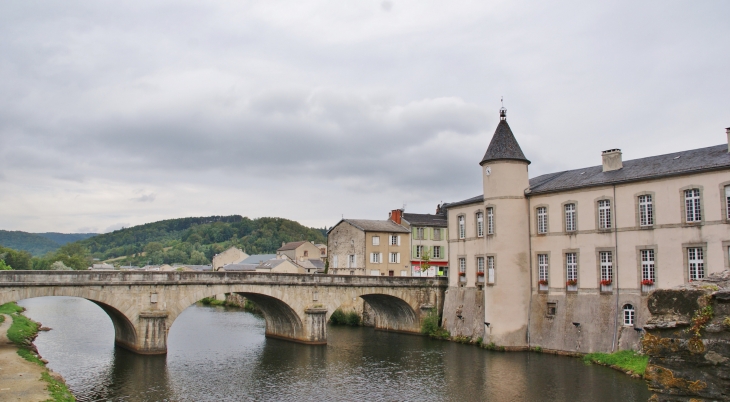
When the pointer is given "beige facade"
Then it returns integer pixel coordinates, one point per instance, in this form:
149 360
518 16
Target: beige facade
368 247
280 266
300 251
231 256
568 258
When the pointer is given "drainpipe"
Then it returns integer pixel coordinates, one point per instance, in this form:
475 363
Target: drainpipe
529 248
615 265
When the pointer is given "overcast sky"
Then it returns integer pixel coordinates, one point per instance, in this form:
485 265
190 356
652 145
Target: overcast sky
121 113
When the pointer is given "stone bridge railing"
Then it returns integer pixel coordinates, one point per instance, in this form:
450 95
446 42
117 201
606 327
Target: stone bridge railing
144 305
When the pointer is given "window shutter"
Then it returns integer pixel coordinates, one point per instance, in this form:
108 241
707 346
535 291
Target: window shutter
397 256
381 257
372 258
415 253
398 240
354 261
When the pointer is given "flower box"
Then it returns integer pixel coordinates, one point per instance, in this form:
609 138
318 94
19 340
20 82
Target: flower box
542 282
480 273
462 273
606 282
571 282
647 282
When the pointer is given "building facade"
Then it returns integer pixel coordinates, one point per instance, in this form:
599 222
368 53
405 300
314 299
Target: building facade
368 247
429 243
565 260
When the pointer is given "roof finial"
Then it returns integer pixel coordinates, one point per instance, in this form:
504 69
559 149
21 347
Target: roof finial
502 110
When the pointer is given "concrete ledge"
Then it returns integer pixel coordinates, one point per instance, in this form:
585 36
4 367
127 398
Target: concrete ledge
283 338
133 349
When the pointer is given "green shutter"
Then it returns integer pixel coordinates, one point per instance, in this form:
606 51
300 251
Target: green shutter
414 252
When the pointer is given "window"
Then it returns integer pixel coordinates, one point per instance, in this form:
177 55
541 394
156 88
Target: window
394 240
542 269
490 269
606 258
647 267
727 202
571 268
542 220
480 265
646 211
629 314
374 272
437 234
376 258
569 217
436 252
490 221
692 205
334 261
604 214
394 258
552 308
462 227
419 233
351 261
480 224
376 240
403 272
306 253
696 261
419 251
462 266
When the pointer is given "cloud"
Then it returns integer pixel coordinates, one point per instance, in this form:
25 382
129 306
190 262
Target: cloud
145 198
310 110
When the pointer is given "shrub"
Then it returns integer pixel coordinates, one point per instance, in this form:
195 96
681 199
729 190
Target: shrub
212 301
431 327
351 318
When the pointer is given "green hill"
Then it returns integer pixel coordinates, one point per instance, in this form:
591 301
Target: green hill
31 242
196 240
63 238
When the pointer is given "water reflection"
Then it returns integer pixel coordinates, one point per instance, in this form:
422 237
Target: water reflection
218 354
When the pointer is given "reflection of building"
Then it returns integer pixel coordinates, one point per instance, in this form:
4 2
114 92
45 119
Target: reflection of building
369 247
565 260
430 241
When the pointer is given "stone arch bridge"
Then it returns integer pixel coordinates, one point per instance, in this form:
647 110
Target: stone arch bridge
144 305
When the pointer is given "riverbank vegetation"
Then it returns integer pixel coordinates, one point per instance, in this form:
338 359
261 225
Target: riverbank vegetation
22 332
351 318
626 360
212 301
431 327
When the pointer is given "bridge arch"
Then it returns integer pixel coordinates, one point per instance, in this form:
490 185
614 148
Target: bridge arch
125 333
392 313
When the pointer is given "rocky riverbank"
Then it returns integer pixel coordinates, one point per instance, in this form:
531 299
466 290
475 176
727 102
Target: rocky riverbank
23 375
688 341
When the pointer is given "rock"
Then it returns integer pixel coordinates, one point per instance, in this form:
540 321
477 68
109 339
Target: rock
44 361
44 329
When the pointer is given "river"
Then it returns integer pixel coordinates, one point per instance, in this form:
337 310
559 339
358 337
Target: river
221 354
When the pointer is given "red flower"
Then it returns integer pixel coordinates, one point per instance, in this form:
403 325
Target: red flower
462 273
480 273
572 282
543 282
647 282
606 282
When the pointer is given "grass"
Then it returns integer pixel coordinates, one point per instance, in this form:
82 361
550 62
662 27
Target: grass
625 359
22 332
350 318
59 391
431 326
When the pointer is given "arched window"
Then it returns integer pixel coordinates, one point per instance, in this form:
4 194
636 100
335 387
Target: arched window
629 314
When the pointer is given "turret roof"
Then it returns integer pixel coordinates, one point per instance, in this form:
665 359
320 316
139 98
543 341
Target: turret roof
503 145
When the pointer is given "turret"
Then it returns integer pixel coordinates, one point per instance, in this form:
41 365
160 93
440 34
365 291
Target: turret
505 178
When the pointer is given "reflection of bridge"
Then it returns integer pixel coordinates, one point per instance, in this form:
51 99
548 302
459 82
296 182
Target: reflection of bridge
143 305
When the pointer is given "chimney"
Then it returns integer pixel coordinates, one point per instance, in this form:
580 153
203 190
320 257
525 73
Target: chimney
727 130
283 244
612 160
396 215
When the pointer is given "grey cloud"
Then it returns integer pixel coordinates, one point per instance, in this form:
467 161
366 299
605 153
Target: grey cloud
145 198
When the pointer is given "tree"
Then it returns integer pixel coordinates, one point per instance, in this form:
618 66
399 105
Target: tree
153 247
59 266
4 266
198 258
425 261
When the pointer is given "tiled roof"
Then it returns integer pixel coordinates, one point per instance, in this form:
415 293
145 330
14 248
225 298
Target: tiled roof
368 225
291 245
239 267
425 220
503 145
674 164
472 200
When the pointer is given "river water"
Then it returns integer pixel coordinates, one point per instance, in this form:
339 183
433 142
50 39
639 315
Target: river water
221 354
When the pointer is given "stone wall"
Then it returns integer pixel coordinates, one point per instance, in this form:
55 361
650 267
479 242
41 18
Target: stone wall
463 313
688 341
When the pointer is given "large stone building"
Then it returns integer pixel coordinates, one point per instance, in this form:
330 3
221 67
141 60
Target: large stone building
369 247
565 260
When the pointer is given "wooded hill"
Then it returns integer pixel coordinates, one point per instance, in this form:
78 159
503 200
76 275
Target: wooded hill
39 243
196 240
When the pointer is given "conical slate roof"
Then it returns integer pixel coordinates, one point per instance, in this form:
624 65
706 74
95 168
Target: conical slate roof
503 146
